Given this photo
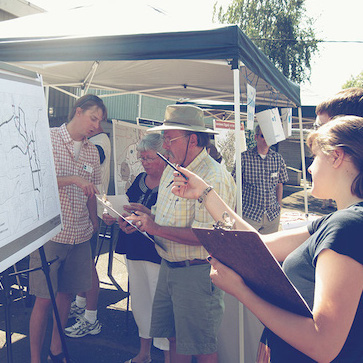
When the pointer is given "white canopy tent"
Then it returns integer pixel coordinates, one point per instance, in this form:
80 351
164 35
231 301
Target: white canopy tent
139 49
142 50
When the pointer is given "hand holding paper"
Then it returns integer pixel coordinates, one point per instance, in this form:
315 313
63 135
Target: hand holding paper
137 207
120 199
113 203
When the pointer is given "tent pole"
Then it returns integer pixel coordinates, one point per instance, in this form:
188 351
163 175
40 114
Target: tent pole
139 108
303 166
238 143
91 75
46 92
64 91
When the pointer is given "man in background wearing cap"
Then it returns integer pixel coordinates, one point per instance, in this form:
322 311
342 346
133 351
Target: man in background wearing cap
187 307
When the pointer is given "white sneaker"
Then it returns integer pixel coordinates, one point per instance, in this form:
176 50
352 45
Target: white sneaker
82 327
75 311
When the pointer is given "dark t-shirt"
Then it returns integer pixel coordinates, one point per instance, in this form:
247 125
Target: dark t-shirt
341 232
136 246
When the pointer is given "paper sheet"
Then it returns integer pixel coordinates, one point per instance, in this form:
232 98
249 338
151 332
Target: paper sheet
116 210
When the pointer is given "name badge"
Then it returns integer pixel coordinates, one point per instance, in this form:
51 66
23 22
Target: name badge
87 168
274 175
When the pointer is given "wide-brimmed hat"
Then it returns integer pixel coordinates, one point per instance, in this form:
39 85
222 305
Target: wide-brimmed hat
183 117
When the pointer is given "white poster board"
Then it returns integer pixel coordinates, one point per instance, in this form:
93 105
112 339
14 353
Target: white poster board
286 118
30 211
271 127
126 136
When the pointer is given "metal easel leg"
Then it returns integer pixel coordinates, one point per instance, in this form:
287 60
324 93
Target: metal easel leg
45 267
7 303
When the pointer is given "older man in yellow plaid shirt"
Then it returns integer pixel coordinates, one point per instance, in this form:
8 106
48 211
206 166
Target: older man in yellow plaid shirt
187 307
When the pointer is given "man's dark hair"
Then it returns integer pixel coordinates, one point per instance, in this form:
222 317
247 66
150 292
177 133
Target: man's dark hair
86 102
346 102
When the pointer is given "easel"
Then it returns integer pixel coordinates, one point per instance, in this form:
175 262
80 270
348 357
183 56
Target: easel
5 280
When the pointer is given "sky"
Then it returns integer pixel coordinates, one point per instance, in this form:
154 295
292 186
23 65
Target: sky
335 21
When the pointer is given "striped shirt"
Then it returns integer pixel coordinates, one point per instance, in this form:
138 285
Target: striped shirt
77 226
174 211
259 180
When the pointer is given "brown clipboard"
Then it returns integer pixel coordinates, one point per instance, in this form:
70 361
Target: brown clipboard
246 254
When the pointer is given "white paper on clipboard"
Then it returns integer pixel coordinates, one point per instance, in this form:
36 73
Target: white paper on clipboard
117 211
116 202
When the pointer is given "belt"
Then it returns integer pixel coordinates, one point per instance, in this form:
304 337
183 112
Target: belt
186 263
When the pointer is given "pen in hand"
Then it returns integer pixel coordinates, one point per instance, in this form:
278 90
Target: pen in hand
170 164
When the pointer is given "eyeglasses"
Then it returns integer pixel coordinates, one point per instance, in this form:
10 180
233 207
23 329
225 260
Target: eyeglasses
168 141
147 159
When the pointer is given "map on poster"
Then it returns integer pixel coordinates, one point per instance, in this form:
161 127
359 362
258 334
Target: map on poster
126 136
29 203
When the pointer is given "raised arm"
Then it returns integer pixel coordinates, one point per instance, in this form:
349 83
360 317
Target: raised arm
280 244
215 205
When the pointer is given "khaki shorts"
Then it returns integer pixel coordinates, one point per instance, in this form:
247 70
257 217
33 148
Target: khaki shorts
189 307
70 273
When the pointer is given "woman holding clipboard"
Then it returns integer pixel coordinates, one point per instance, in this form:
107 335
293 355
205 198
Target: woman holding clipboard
323 259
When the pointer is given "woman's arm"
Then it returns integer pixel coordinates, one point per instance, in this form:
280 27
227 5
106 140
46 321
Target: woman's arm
280 244
194 188
337 293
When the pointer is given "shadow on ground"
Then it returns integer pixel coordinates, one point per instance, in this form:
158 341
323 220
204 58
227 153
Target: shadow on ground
117 342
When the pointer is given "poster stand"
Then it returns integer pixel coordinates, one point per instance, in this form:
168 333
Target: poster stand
5 283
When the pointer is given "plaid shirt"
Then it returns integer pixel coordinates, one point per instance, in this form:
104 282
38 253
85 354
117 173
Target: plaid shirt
259 180
77 226
179 212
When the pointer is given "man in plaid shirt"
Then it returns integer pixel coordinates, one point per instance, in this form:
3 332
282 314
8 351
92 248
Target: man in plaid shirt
187 307
77 167
263 174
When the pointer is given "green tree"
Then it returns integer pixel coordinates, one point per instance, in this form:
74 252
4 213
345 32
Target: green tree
280 28
354 81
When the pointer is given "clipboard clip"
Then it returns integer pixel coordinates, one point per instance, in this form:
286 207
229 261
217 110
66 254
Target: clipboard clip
226 223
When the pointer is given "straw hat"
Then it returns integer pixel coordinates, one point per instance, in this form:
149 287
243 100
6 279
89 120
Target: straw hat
183 117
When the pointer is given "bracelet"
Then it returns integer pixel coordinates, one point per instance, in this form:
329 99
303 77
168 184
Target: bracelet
201 199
